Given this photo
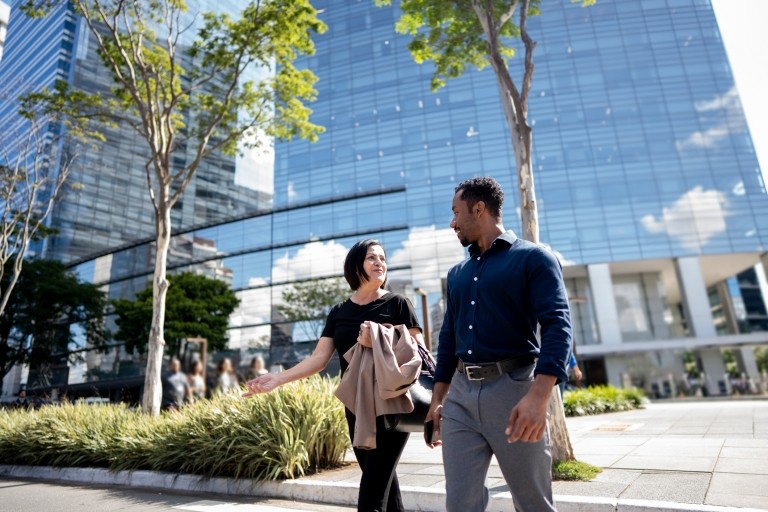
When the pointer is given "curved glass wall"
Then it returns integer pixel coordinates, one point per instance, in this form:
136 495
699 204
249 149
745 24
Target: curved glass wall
641 151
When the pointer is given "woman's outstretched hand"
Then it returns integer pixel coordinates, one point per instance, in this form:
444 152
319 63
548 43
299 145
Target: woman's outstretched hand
264 384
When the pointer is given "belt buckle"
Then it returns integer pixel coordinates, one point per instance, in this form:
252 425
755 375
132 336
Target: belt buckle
468 371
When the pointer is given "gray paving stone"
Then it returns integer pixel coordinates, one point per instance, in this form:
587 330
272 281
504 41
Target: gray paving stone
675 487
736 484
682 446
593 488
621 476
603 461
744 452
746 443
742 501
748 466
667 463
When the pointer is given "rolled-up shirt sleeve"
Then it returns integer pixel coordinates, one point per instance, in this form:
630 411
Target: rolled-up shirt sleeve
549 301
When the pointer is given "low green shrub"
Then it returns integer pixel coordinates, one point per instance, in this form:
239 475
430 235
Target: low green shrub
574 470
284 434
601 399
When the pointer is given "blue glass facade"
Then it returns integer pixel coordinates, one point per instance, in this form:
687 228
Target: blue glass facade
641 154
111 208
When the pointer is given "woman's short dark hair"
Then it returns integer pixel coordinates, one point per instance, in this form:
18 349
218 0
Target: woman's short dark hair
354 271
483 189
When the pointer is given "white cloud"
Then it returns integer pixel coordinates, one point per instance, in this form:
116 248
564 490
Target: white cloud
732 121
693 219
431 253
560 256
255 167
315 259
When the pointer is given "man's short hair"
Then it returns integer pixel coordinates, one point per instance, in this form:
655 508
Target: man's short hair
354 271
485 189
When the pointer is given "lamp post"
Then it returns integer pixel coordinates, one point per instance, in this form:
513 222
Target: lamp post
425 316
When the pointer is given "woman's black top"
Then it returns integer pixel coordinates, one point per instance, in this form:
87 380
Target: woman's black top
343 323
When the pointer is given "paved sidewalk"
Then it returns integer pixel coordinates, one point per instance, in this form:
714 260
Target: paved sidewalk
672 455
694 456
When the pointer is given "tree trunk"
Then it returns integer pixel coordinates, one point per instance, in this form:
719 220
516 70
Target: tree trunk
560 440
150 403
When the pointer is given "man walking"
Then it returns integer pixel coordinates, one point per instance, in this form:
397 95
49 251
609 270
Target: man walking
500 375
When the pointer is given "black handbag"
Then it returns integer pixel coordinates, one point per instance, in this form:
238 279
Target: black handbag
421 395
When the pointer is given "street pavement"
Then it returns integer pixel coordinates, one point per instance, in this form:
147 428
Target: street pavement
705 455
29 496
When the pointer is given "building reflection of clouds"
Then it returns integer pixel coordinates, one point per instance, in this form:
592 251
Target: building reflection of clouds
727 110
696 217
255 166
315 259
430 252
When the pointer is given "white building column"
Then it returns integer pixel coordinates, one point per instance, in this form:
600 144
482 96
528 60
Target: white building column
616 371
604 304
714 369
694 297
746 356
607 319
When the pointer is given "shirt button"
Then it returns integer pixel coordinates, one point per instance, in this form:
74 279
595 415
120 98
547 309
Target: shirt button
475 279
469 351
470 327
473 303
478 258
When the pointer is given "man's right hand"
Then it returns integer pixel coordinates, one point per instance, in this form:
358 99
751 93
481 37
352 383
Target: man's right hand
436 411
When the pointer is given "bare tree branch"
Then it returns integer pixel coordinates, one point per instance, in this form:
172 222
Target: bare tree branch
530 45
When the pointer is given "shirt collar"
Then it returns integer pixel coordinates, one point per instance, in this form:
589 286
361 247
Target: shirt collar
508 237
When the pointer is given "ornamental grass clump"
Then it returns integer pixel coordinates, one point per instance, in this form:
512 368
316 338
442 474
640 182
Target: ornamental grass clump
296 429
72 435
601 399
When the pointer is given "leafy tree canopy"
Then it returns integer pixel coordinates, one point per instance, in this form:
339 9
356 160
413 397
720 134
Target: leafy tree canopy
450 34
308 302
236 75
197 306
37 323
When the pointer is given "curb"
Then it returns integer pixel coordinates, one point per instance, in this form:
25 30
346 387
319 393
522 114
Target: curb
423 499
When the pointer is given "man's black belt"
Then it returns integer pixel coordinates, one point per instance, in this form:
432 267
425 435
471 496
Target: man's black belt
482 371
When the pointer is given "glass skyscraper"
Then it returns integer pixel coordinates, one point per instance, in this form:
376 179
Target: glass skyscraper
648 188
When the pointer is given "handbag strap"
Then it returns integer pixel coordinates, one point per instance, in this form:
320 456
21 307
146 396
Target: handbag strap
427 360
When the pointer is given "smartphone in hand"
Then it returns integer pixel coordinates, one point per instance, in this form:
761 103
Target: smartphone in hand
429 433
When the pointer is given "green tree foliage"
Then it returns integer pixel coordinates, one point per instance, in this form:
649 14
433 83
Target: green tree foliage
197 306
37 324
761 355
308 303
189 101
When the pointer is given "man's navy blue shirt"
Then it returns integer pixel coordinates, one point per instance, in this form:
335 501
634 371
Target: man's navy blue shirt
495 301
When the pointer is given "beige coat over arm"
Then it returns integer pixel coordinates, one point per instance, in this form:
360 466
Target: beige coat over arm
378 378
